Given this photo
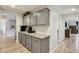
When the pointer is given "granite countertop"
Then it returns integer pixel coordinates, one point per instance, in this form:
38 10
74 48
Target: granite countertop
37 35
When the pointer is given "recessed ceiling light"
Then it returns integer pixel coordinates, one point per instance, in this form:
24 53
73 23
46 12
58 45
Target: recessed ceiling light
12 5
73 9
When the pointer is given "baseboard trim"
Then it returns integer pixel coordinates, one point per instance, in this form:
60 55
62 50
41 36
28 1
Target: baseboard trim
53 50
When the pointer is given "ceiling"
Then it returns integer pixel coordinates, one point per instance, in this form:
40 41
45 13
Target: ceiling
62 9
20 8
66 9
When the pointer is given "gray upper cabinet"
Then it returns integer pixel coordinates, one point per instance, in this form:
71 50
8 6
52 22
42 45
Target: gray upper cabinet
40 17
43 17
33 19
26 20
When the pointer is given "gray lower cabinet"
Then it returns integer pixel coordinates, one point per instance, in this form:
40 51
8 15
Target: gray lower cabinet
20 40
23 38
45 45
34 44
40 45
28 42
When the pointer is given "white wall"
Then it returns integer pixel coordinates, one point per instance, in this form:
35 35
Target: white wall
56 24
43 29
3 25
71 19
53 30
18 24
61 28
71 23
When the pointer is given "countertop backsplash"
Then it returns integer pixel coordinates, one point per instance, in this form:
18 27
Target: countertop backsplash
42 29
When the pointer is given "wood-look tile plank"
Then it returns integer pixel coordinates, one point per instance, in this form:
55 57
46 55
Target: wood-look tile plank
9 45
69 45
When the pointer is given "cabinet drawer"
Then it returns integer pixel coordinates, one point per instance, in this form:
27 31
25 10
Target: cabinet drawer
28 42
28 36
37 39
36 49
37 42
36 45
22 35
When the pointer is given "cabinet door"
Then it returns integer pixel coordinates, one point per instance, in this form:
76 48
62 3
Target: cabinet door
36 45
33 19
45 45
43 17
28 18
24 20
20 40
28 42
23 39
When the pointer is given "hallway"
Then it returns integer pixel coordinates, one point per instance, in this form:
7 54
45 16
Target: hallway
69 45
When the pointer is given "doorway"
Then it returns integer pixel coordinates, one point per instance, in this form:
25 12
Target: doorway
71 28
8 26
11 28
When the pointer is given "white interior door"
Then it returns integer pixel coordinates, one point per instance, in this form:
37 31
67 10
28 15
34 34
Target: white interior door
11 28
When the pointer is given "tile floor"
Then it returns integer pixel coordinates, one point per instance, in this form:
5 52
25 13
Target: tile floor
9 45
69 45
